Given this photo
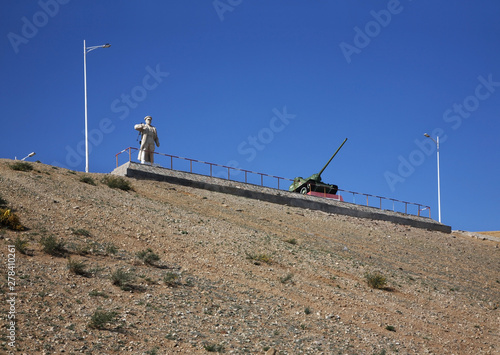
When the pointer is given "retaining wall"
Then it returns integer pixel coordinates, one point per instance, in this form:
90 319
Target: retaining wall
143 171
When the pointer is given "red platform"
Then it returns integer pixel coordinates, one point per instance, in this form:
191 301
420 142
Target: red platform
325 195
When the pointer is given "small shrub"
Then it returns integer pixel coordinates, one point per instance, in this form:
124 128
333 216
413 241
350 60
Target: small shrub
258 258
95 293
148 256
390 328
100 319
171 279
153 351
117 182
81 249
111 249
307 310
376 280
77 267
21 245
10 220
21 166
88 180
214 348
82 232
292 241
122 279
286 278
53 247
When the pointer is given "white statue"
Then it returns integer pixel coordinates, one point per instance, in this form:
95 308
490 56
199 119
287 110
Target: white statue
148 140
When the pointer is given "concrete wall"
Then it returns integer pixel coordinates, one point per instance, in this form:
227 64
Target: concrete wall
140 171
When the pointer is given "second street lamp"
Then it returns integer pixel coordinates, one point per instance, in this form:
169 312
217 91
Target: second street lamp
439 184
28 156
85 51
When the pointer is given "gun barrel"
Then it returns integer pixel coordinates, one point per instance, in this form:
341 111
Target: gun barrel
333 156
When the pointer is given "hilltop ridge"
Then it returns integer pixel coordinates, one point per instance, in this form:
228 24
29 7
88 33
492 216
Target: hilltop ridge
234 275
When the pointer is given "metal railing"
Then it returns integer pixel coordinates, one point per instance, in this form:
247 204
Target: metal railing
384 203
215 170
256 178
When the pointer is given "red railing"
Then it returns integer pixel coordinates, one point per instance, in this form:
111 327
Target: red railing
382 203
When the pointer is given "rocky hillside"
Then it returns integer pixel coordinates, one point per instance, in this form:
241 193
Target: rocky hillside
163 269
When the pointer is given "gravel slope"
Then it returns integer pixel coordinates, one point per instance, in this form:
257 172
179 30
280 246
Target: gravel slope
252 277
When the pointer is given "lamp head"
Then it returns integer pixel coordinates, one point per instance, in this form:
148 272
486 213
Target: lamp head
107 45
427 135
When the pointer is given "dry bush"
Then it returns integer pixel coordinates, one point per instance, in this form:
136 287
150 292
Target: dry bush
10 220
376 280
21 166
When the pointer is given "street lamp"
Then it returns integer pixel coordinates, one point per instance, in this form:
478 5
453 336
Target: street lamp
85 51
439 186
28 156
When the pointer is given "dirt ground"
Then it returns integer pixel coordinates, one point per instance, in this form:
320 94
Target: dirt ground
495 234
229 274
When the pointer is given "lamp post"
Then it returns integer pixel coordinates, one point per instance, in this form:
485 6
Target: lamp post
85 51
439 186
28 156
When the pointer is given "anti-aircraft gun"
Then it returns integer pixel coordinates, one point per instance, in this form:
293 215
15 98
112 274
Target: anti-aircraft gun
313 182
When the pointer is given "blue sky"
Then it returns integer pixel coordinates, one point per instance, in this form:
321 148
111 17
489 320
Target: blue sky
268 86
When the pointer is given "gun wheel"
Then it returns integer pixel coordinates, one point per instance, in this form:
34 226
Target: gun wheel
304 190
